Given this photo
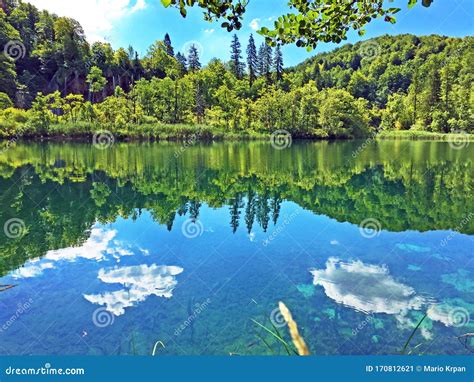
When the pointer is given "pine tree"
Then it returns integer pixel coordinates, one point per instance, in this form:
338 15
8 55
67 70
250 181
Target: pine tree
261 60
169 47
252 60
278 63
265 61
268 62
237 66
193 59
182 62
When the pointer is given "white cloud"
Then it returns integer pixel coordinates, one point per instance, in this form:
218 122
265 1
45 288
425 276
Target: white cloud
98 247
33 269
97 17
139 5
254 24
94 247
209 31
140 282
366 288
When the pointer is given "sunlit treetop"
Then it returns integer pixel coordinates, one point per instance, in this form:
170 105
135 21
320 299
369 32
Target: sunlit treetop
308 22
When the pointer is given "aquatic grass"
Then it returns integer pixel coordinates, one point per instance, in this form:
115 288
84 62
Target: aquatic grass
300 347
413 334
298 341
132 344
153 352
464 341
275 333
3 288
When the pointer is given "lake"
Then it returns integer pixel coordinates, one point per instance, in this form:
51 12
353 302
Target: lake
180 248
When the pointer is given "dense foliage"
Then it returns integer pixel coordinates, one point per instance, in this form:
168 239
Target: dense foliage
60 84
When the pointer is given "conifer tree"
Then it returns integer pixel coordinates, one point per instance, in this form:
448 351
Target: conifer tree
183 63
252 60
278 63
193 59
237 66
168 45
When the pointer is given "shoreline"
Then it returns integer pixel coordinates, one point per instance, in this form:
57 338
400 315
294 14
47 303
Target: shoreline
199 134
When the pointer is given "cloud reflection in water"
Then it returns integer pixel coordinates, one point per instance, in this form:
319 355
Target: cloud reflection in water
140 282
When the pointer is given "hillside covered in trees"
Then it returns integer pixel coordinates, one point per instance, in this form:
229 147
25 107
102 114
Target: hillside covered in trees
53 82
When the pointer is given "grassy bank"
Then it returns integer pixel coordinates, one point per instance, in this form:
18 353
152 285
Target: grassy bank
426 135
129 132
86 131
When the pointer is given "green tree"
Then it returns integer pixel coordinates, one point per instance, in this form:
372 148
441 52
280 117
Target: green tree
278 63
340 116
236 65
169 46
5 101
96 81
252 60
193 59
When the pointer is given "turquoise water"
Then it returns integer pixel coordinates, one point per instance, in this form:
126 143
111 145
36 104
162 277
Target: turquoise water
141 247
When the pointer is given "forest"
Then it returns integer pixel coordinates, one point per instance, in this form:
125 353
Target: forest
54 83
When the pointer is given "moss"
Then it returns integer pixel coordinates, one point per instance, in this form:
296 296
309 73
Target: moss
459 280
331 313
307 290
413 248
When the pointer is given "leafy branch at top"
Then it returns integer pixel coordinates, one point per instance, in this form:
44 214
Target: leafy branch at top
310 22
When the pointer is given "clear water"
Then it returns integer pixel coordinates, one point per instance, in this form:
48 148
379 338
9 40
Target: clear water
142 243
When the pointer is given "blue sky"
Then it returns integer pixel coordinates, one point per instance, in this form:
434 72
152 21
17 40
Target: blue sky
140 22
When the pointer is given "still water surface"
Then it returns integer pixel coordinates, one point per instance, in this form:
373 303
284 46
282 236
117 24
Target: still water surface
120 248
